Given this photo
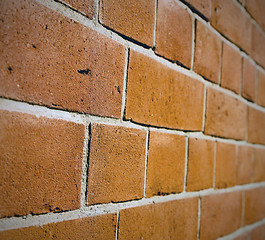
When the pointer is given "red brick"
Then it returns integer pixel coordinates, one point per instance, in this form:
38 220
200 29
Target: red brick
244 165
203 6
225 173
261 89
254 205
256 126
166 164
207 63
231 68
134 19
223 211
41 162
97 227
225 116
259 165
258 233
160 96
169 220
249 80
174 32
116 164
229 19
85 7
51 60
258 46
256 8
200 164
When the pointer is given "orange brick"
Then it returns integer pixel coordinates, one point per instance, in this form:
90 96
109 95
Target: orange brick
166 164
258 233
203 6
258 46
259 165
174 32
256 126
223 211
256 8
207 63
254 205
169 220
51 60
244 165
200 164
134 19
228 18
85 7
249 80
158 95
225 116
225 174
231 68
41 162
116 164
97 227
261 89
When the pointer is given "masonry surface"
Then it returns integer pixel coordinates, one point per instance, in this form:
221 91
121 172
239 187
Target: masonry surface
132 119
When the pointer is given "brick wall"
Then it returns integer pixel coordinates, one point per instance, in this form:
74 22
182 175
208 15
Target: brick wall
132 119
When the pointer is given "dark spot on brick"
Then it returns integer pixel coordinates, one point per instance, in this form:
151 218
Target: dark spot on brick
84 71
10 69
34 46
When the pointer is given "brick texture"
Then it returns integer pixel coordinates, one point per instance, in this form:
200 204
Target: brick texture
256 8
116 164
225 116
85 7
41 161
249 80
166 164
259 165
98 227
160 96
51 60
202 6
169 220
174 32
258 47
261 89
200 164
258 233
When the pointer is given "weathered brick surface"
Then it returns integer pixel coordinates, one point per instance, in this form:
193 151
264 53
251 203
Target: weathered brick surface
116 164
256 126
245 236
228 18
200 164
249 80
225 116
244 168
85 7
170 220
41 161
256 8
134 19
51 60
166 164
202 6
174 32
98 227
225 173
258 233
223 211
254 205
261 89
258 46
160 96
259 165
207 63
231 68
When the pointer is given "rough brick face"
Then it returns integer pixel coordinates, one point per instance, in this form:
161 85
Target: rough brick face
200 164
258 233
231 68
169 220
134 19
225 115
225 175
249 80
166 164
97 227
85 7
261 89
51 60
207 63
174 32
223 211
256 8
259 165
203 6
41 161
160 96
258 46
254 205
116 164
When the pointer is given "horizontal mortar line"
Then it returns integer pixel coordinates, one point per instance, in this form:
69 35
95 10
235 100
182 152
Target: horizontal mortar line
94 210
86 119
243 230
